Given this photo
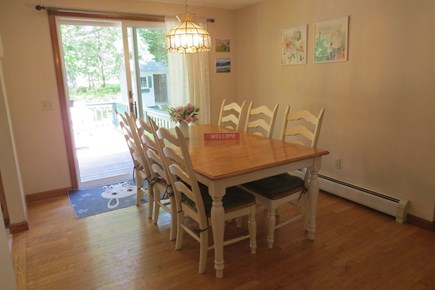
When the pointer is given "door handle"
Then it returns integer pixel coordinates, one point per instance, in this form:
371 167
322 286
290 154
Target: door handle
131 105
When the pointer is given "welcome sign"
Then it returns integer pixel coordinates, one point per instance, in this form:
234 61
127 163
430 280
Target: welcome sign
222 136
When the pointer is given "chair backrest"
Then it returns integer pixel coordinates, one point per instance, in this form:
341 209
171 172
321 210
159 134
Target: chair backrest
123 123
302 127
261 120
141 146
136 145
183 179
230 115
154 152
146 134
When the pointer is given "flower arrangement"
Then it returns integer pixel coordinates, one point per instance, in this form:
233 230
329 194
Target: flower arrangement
188 114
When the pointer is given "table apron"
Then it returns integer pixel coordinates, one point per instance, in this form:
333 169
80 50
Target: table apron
218 186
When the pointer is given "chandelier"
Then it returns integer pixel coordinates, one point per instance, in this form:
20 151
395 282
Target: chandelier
187 37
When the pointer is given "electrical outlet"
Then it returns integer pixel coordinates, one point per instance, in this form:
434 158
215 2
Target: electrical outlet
338 163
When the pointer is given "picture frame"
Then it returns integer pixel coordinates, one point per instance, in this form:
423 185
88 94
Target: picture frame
223 65
294 45
222 45
331 40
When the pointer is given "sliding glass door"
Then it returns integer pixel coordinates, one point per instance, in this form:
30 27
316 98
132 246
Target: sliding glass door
109 67
147 63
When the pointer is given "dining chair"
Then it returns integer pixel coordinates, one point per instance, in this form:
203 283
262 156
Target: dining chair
141 169
300 127
162 189
261 120
193 200
230 115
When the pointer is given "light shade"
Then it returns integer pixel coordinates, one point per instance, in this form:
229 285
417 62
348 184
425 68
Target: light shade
187 37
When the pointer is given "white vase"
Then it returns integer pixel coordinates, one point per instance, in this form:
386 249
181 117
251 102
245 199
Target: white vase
184 127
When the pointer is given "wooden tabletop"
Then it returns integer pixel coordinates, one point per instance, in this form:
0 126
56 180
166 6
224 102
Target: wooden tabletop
217 159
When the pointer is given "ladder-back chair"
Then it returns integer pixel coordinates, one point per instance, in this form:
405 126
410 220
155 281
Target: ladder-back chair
300 127
162 189
141 168
261 120
193 200
230 115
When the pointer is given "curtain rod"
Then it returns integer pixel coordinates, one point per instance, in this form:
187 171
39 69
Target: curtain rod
77 12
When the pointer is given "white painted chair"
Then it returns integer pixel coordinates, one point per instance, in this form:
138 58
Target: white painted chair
141 168
162 189
302 128
230 115
194 201
261 120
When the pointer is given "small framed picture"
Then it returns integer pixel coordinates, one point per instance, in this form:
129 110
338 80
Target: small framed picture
331 40
222 45
223 65
294 45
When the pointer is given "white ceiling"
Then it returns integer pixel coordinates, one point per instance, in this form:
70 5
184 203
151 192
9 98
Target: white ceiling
226 4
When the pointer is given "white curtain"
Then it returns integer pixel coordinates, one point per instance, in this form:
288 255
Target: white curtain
189 78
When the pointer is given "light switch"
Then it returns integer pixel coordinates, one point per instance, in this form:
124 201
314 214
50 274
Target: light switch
46 106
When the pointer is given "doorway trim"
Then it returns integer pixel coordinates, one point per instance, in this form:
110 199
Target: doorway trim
52 13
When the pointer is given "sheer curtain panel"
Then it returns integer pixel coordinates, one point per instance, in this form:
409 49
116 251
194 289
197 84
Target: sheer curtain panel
189 77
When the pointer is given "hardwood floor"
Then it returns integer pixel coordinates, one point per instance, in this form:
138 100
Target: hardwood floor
355 248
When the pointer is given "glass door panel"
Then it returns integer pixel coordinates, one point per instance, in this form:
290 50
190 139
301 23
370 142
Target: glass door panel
148 66
93 62
109 66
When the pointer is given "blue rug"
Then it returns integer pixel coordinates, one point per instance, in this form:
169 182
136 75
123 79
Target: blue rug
92 201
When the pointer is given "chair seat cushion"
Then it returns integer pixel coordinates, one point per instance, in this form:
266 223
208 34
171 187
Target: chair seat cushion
234 197
276 186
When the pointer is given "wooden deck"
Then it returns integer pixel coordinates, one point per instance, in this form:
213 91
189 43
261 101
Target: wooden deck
103 155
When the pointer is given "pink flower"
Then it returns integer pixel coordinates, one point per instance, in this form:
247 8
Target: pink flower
187 113
189 107
188 119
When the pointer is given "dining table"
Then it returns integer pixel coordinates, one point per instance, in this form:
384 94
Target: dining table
231 158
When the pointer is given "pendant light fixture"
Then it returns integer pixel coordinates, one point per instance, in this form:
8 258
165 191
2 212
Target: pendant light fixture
187 37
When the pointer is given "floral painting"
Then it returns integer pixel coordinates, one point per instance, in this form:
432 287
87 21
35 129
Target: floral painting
294 45
330 40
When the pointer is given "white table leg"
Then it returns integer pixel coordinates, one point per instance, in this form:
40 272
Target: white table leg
313 192
218 227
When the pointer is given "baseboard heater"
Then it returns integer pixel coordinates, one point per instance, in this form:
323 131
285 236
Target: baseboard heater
387 204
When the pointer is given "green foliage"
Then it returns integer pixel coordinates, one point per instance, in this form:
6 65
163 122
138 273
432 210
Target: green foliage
155 41
86 94
93 57
90 54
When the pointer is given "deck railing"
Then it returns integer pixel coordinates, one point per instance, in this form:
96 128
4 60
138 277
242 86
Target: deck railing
95 115
104 115
161 117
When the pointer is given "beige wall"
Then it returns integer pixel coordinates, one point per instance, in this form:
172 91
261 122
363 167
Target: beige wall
383 96
11 182
30 78
380 105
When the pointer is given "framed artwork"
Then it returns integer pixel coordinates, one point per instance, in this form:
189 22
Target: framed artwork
331 40
222 45
223 65
294 45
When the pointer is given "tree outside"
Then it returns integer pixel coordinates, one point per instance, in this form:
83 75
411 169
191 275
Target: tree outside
93 57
